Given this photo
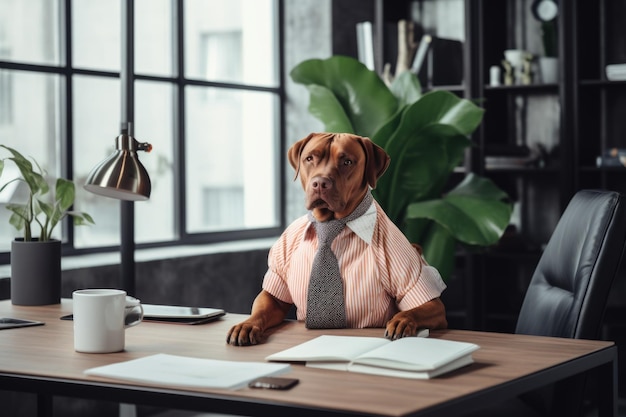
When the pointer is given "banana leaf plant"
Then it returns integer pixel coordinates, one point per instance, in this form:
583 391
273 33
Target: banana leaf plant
426 136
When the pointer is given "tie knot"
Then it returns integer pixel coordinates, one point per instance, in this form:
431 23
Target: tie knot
328 231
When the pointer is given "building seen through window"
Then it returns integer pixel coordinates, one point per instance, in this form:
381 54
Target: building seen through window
206 96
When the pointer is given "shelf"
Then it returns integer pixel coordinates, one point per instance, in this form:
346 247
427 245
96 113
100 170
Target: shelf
621 170
567 124
601 83
523 89
522 170
456 89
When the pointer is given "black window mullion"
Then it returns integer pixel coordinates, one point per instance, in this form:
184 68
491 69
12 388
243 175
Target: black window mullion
180 203
66 106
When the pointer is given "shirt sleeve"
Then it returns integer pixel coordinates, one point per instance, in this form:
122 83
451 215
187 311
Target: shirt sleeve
279 258
428 286
411 281
274 281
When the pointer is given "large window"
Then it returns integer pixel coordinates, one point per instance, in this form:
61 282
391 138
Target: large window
207 95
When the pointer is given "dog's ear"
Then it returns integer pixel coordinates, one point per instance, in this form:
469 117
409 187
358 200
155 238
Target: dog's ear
377 161
295 151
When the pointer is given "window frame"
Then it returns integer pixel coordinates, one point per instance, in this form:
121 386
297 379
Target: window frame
67 72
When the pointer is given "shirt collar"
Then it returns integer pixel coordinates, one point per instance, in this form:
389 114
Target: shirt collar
362 226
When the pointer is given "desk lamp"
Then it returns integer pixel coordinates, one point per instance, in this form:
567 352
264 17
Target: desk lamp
121 175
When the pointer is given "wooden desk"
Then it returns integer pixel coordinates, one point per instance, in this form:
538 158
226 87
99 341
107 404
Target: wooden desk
42 360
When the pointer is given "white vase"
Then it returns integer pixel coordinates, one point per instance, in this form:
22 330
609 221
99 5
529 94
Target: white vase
549 69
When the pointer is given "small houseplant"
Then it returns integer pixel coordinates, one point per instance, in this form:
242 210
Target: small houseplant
36 257
426 136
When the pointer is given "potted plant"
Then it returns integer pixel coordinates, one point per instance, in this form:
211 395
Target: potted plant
36 256
426 136
546 12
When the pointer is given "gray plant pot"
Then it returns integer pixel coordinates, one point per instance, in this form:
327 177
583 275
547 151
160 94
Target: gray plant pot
35 272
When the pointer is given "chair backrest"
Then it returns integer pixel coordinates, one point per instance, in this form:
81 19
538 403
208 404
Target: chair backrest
568 292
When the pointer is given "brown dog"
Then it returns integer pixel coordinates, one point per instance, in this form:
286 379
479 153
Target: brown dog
336 171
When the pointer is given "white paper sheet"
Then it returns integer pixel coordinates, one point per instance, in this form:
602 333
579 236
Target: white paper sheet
171 370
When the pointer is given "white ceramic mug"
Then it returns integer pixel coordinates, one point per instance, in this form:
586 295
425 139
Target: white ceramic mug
101 317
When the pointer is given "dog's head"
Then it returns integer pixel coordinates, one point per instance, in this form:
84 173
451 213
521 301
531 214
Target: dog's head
336 170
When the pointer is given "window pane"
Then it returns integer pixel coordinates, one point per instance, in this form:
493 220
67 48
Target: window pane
153 37
154 124
231 163
96 34
31 127
96 125
29 31
231 41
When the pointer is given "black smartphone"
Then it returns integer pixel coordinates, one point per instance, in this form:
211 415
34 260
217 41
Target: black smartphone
269 382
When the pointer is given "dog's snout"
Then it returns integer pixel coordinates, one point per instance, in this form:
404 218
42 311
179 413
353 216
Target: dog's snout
320 183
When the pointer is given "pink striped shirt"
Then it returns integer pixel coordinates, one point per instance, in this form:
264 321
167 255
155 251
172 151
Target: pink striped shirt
382 273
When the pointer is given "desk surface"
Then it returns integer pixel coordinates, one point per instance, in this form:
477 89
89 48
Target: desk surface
42 359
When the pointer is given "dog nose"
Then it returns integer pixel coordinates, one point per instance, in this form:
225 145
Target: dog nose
321 183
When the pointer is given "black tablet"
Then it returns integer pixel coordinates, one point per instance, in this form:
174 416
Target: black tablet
11 323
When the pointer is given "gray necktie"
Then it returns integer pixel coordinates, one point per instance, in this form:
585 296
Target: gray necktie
325 301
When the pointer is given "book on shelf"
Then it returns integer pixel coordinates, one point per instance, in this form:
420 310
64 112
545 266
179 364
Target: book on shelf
420 54
493 162
408 357
365 44
438 61
516 156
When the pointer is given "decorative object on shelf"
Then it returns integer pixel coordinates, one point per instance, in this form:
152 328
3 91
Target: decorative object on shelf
616 72
546 11
527 72
494 76
614 157
426 137
549 69
508 72
517 66
36 259
407 47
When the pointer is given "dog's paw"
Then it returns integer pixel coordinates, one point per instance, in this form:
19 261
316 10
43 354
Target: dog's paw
244 334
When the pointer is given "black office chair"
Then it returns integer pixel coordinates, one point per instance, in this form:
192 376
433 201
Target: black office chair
568 291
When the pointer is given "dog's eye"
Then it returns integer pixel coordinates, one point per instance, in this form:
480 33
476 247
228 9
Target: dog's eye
348 162
309 158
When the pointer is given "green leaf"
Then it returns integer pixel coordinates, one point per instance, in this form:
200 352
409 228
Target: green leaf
439 249
35 181
64 193
324 106
407 89
473 217
81 218
364 97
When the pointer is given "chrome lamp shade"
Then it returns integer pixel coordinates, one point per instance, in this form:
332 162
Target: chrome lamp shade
121 175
